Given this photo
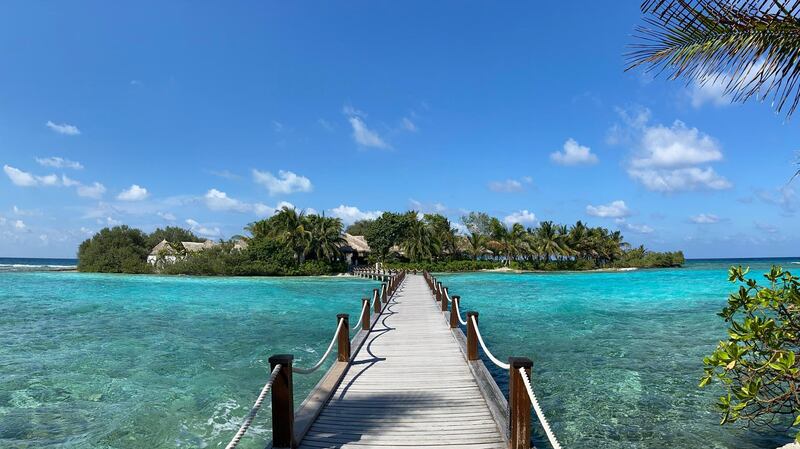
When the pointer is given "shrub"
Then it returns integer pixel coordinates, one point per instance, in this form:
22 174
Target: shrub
115 250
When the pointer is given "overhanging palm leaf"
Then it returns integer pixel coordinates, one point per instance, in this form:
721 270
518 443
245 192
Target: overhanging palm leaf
752 46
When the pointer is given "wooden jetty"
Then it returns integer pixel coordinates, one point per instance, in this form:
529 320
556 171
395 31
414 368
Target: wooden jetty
410 377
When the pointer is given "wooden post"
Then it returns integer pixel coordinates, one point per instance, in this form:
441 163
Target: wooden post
444 299
472 336
385 293
344 337
376 299
454 312
282 402
365 320
519 404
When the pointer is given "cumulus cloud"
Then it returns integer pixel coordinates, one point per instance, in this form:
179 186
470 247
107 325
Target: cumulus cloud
681 179
365 136
671 158
203 230
58 162
352 214
637 228
220 201
166 216
20 225
68 182
614 209
63 128
704 219
20 178
285 183
574 154
133 193
523 217
96 190
710 92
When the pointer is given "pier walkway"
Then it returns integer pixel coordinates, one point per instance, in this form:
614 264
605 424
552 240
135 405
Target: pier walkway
409 378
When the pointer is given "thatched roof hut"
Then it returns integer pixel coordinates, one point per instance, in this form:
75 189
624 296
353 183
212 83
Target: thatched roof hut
163 248
355 243
192 247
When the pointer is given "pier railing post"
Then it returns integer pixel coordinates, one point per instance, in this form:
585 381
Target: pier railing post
282 402
365 319
454 312
385 293
519 404
376 300
344 338
472 336
443 294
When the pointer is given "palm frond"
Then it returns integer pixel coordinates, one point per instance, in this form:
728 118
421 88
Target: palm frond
752 46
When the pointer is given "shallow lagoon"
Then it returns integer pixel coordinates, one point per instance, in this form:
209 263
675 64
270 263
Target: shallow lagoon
113 361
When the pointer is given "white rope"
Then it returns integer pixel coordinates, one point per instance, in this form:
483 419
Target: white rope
250 416
538 409
494 359
447 295
324 356
457 311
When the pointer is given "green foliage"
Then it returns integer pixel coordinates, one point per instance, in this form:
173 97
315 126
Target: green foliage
172 234
115 250
388 230
478 223
757 365
359 227
642 258
452 266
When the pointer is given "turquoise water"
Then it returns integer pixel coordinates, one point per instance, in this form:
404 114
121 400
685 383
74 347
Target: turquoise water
617 356
113 361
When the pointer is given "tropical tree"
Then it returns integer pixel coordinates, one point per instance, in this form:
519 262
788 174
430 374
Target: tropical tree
325 237
750 46
510 242
477 244
443 231
388 230
290 227
421 242
172 234
550 240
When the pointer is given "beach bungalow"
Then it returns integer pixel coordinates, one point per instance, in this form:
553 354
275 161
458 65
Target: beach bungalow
355 249
161 254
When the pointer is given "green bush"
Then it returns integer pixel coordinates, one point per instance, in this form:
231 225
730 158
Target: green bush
115 250
446 266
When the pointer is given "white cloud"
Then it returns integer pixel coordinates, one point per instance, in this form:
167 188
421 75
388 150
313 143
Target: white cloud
202 230
166 216
574 154
676 146
19 177
48 180
711 92
365 136
19 225
220 201
704 219
784 197
351 214
638 228
408 125
26 212
351 111
670 158
522 217
58 162
133 193
509 185
681 179
63 128
614 209
68 182
96 190
285 183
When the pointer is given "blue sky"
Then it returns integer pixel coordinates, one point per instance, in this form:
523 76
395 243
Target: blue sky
210 115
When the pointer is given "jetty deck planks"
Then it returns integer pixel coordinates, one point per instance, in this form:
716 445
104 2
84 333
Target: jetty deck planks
409 385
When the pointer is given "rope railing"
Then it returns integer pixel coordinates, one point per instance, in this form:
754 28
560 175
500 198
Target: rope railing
298 370
254 410
486 351
280 380
538 409
520 403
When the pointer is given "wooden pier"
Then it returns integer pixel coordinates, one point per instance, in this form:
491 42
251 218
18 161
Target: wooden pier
409 378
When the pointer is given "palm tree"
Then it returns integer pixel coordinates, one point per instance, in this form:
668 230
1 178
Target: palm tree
751 46
325 237
290 227
511 242
549 240
477 244
421 243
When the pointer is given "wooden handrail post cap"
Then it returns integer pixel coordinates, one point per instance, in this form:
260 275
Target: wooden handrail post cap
472 336
344 337
519 404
